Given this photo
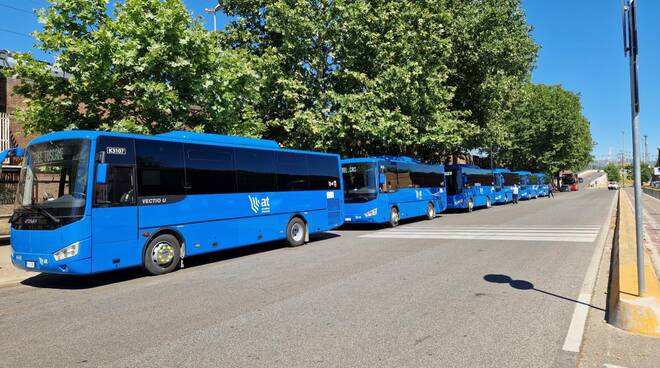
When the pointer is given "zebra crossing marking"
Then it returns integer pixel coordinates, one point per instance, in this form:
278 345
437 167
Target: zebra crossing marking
545 233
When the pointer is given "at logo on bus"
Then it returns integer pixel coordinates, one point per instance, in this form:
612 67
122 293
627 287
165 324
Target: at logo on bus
259 205
332 183
418 195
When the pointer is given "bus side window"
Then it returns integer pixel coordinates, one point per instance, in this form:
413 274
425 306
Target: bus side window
119 189
391 179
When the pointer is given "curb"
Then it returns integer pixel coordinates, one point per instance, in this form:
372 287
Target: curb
627 310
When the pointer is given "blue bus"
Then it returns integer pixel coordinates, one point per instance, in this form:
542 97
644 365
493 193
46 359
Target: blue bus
388 189
504 180
90 202
543 184
528 185
469 186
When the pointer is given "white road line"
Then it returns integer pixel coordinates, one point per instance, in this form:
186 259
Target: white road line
579 234
575 333
523 231
571 239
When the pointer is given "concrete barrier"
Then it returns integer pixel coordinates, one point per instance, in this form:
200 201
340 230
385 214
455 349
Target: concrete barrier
627 309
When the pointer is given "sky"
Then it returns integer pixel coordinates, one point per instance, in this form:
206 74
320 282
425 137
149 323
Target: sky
581 49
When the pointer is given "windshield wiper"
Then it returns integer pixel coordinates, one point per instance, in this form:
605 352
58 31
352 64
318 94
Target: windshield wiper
37 209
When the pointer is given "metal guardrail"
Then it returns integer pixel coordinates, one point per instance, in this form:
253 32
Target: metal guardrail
652 192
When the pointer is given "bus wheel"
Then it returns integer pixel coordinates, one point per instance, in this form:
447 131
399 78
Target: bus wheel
536 196
394 217
430 212
506 199
162 255
295 232
488 203
470 206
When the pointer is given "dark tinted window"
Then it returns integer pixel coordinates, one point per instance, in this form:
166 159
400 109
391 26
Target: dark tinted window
510 179
405 176
323 172
479 180
255 170
115 150
533 179
160 168
427 176
119 189
453 182
210 169
291 171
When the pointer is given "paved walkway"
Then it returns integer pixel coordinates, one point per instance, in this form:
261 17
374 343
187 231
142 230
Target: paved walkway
605 345
651 207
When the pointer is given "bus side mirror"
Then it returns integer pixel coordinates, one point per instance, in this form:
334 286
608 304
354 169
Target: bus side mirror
101 173
381 179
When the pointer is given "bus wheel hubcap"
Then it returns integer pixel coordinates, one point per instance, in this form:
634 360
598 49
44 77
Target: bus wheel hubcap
163 254
297 232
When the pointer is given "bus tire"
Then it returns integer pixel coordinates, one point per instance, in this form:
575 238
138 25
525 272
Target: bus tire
394 217
296 232
470 206
536 196
488 203
506 199
162 254
430 211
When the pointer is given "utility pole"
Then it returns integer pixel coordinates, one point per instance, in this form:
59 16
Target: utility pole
623 156
630 49
646 149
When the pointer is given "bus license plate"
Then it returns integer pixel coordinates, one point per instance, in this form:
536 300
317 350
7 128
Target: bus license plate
29 264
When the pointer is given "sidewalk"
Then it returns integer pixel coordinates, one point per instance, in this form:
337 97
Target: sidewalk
605 345
651 218
10 275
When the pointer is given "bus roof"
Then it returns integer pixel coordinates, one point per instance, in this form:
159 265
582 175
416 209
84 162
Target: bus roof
522 172
469 169
501 171
174 136
370 159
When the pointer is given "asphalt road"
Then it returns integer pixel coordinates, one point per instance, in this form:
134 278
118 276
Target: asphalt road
463 290
589 177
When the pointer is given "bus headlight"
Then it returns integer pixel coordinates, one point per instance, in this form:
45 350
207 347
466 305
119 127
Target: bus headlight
67 252
371 213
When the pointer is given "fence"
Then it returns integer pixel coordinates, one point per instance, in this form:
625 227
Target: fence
5 136
652 192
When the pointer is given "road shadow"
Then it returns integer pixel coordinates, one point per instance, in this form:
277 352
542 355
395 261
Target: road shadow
526 285
78 282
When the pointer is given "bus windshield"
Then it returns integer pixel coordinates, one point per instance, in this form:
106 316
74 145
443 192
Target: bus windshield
53 180
359 182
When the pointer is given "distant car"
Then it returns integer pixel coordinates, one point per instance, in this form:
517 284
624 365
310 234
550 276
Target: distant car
565 188
612 185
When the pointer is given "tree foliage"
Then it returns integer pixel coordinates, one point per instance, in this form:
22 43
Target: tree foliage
424 78
148 67
548 131
612 171
356 77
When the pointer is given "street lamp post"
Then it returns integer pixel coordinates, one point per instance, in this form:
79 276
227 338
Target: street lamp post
631 50
213 11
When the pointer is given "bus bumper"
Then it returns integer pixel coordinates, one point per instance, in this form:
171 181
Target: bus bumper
36 262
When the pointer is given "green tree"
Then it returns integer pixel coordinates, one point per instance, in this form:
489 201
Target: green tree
492 56
148 67
353 77
612 171
548 131
646 173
